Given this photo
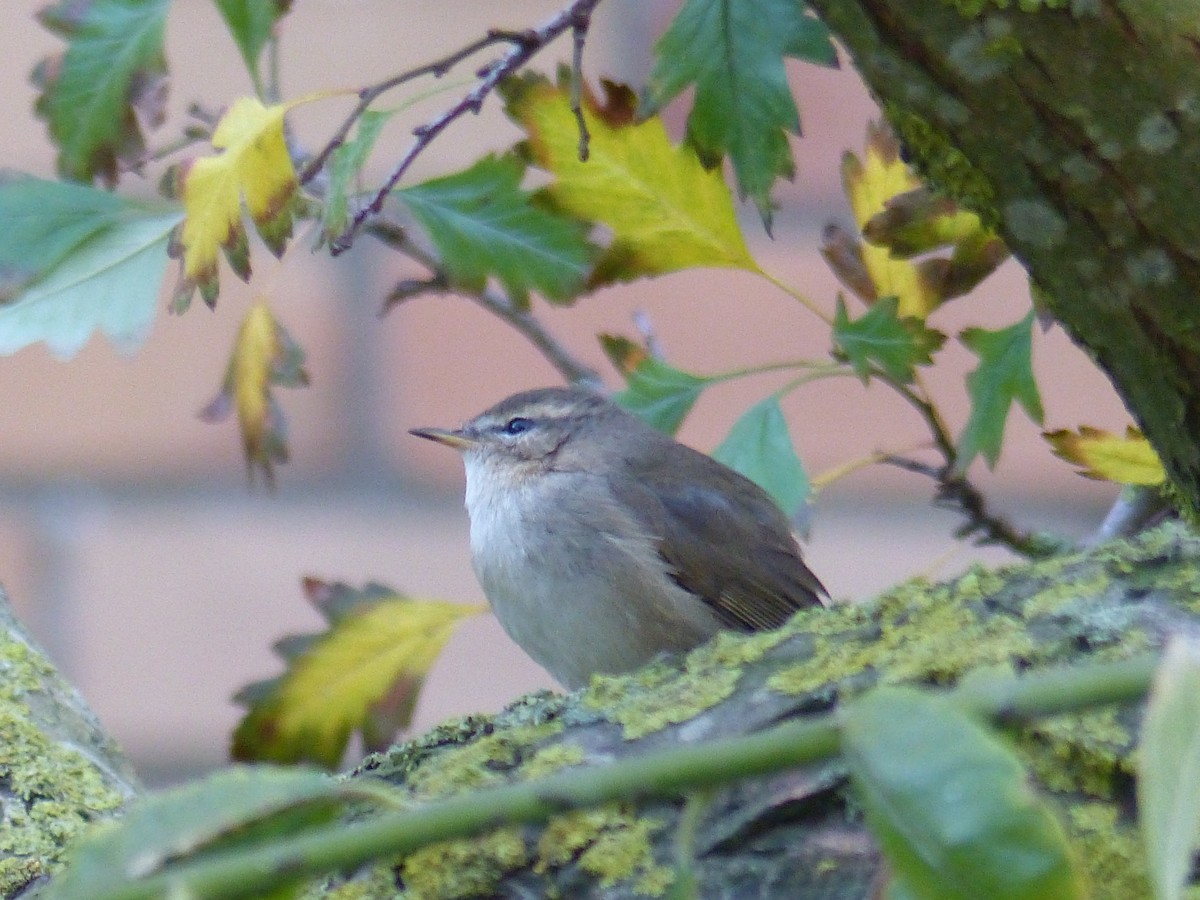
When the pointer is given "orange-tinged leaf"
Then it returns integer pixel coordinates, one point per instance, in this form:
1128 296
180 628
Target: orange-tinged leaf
264 355
624 354
361 674
869 183
665 210
1110 457
254 167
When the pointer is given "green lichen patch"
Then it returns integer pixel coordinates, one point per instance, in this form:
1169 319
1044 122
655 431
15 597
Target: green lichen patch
488 760
921 633
50 790
653 698
609 842
1082 753
464 868
1110 851
944 164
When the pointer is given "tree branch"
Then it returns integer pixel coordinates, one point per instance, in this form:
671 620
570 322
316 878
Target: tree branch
242 871
956 492
493 300
525 45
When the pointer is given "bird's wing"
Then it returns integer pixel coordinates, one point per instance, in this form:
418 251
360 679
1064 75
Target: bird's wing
734 551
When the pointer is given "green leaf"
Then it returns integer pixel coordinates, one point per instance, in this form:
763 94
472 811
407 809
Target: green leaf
951 805
344 167
112 75
760 447
43 222
234 807
250 22
661 395
1169 769
880 338
484 225
733 52
665 210
101 271
1005 374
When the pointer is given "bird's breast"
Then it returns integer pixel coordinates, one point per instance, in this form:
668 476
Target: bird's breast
573 580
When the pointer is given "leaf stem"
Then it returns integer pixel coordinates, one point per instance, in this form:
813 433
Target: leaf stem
810 304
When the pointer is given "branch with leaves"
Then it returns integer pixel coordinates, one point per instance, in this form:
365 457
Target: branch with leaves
905 815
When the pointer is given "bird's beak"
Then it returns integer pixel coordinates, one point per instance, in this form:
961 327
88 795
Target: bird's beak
456 439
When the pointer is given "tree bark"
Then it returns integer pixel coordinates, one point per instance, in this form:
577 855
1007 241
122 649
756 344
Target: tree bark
799 834
59 770
1076 131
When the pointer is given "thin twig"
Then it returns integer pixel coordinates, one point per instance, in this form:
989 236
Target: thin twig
437 69
494 301
525 45
956 492
579 32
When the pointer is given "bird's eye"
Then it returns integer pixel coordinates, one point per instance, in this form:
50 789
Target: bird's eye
517 425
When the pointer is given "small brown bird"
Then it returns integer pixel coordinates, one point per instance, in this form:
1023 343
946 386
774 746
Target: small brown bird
601 542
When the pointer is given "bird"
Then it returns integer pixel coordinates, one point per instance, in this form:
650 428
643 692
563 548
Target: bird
601 542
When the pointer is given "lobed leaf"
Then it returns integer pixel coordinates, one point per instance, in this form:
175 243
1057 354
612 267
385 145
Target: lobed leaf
881 338
660 394
759 447
110 80
44 222
665 210
264 355
1005 374
869 184
255 166
251 23
733 51
1169 770
951 805
364 673
1109 457
484 225
74 259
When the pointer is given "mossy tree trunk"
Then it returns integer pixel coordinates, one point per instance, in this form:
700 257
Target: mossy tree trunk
1077 131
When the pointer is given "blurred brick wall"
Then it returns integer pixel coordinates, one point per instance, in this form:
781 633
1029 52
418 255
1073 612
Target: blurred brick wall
129 540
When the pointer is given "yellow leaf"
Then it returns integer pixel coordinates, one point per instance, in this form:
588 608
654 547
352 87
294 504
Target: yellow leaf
381 646
869 184
666 211
1109 457
255 166
263 355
